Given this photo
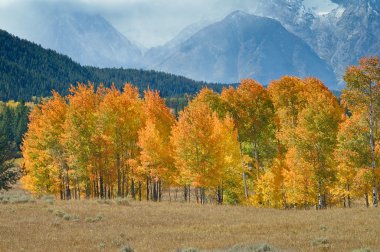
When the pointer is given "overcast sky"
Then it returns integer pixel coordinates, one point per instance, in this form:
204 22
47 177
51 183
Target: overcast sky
148 22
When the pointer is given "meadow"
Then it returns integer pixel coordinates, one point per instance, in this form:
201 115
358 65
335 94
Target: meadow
47 224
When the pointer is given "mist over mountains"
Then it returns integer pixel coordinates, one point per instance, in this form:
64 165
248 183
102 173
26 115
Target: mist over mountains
244 46
341 37
88 39
271 39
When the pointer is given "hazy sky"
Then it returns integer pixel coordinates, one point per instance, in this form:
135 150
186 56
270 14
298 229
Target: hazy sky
148 22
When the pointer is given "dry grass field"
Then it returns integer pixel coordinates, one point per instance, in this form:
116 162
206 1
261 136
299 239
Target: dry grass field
90 225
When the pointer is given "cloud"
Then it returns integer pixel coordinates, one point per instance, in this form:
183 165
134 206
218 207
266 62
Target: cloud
320 6
155 22
148 22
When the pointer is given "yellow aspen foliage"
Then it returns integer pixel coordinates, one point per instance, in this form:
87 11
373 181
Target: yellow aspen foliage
315 137
252 110
307 120
270 187
121 116
154 139
342 191
362 96
290 145
201 156
229 160
195 146
288 100
214 100
353 173
44 155
232 183
299 181
82 137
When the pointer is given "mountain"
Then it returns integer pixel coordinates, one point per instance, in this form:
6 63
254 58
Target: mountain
340 37
354 31
320 6
88 39
307 41
27 70
155 54
245 46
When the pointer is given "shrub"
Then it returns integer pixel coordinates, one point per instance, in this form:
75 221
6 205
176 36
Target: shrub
106 202
188 250
251 248
19 199
48 199
55 223
323 228
122 202
59 213
117 242
102 246
94 219
32 200
127 248
89 219
321 242
75 218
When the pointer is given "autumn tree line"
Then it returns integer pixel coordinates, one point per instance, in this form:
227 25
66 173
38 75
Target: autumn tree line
292 144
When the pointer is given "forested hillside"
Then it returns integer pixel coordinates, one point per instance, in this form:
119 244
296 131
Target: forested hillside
27 70
13 123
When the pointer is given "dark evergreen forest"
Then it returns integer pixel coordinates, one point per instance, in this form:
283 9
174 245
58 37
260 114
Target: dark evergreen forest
27 70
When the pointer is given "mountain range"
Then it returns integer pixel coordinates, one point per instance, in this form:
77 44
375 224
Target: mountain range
240 46
88 39
275 38
340 37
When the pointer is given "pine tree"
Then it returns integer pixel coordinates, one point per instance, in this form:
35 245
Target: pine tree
9 173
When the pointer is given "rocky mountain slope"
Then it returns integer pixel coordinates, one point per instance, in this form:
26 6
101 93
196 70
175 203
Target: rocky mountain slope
245 46
340 37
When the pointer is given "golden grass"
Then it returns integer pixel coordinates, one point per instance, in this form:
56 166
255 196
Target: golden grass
146 226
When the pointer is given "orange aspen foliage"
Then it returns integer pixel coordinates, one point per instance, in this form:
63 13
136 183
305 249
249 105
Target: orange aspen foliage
82 137
205 147
315 139
288 100
270 187
121 115
44 155
156 157
252 110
